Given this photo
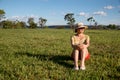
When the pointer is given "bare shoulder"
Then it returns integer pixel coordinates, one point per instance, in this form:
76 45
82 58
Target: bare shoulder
73 36
86 35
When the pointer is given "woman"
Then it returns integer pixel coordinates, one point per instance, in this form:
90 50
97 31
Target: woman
80 43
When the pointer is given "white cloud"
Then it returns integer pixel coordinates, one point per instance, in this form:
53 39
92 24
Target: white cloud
33 16
14 18
22 18
108 7
83 14
102 13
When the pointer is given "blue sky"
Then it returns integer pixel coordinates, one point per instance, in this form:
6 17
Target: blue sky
104 11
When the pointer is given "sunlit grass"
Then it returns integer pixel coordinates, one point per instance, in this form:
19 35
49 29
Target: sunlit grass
44 54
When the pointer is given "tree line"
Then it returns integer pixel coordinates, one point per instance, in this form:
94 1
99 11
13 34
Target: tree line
93 23
7 24
69 17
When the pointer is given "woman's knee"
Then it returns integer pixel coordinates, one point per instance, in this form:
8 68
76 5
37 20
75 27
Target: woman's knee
84 49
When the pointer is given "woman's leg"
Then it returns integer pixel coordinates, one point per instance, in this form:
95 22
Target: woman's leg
76 56
84 53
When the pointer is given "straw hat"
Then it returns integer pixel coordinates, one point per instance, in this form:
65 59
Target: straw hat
80 25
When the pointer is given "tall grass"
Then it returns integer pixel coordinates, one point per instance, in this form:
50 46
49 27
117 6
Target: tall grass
44 54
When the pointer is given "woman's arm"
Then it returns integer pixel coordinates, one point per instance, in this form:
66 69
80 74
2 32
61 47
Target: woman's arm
73 43
86 44
87 41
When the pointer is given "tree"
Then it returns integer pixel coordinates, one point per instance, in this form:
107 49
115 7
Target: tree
42 21
2 14
91 19
20 24
7 24
95 24
71 20
112 26
31 22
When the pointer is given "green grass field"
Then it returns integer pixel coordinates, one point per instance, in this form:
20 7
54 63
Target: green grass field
44 54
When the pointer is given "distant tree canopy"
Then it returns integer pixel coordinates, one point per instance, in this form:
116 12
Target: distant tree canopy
112 26
91 19
2 14
7 24
20 24
71 20
42 22
31 23
69 17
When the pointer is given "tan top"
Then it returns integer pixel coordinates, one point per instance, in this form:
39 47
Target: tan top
77 41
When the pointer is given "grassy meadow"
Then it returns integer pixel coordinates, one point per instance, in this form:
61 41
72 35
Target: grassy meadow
44 54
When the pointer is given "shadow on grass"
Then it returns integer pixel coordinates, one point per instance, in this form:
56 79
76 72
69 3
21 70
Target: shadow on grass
58 59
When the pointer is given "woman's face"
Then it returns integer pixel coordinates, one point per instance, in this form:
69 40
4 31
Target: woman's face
80 30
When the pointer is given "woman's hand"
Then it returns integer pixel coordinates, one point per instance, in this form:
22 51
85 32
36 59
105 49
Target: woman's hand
82 46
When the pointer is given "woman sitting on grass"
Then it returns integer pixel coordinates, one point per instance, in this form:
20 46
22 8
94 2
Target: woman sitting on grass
80 43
